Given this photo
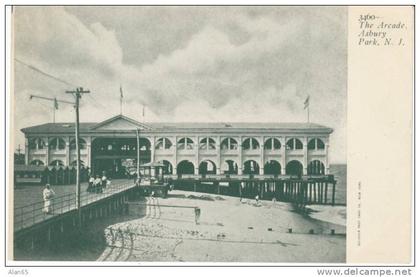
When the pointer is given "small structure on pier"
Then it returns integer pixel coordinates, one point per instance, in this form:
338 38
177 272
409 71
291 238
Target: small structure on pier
152 179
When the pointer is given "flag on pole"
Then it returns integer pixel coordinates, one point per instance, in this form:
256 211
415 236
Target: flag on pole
121 92
306 103
55 104
143 111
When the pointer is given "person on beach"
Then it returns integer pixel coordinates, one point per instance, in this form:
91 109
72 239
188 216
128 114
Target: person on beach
197 212
241 188
48 195
257 199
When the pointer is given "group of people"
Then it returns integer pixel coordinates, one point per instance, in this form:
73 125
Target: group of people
98 184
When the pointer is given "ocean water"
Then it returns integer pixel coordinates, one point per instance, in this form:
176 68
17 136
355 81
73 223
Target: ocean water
340 174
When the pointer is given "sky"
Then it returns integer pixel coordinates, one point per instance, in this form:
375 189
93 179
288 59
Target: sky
201 64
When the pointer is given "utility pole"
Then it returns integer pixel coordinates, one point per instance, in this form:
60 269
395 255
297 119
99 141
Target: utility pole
54 100
138 154
78 94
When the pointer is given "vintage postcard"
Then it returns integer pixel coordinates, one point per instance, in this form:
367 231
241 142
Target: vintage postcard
217 135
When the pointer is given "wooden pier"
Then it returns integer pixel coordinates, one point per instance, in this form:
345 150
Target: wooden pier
304 190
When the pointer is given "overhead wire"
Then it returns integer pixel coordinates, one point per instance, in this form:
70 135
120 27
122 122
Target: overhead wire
42 72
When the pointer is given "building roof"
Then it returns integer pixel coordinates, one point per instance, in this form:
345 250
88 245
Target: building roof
130 125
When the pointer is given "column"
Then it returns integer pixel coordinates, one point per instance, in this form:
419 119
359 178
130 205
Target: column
47 151
88 149
197 156
305 156
218 157
175 153
240 165
152 149
26 150
68 159
262 159
283 155
327 161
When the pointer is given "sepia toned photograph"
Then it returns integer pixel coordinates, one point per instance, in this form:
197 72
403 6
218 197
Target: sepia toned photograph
179 134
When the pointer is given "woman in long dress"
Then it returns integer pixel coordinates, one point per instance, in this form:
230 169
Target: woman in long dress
48 194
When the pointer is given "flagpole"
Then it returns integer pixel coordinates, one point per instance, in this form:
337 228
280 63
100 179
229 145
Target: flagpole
308 113
121 99
120 105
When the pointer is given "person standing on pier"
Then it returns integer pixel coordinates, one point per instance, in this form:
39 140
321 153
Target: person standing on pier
97 184
104 180
48 195
90 186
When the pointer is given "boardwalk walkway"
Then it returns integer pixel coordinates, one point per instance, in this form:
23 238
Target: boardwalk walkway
28 215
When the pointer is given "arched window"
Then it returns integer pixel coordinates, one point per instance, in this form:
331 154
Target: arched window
185 167
163 143
57 163
250 144
230 167
57 144
36 144
294 168
272 167
293 144
74 163
229 144
272 144
167 167
207 144
207 167
251 167
185 143
316 168
82 144
37 162
316 144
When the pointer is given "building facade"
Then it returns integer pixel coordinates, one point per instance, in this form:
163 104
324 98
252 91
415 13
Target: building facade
184 148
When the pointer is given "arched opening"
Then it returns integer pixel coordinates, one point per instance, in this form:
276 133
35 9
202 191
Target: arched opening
185 167
250 144
294 168
57 144
167 169
36 144
272 144
229 144
207 167
57 163
118 156
207 144
74 163
272 167
163 143
185 144
37 162
294 144
251 167
82 144
316 168
230 167
316 144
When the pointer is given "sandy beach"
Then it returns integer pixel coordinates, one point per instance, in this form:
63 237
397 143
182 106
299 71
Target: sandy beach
229 230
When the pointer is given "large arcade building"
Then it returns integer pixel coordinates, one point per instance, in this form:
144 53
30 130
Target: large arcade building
184 148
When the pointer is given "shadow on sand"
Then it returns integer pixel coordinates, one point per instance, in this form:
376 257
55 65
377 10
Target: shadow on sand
85 245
